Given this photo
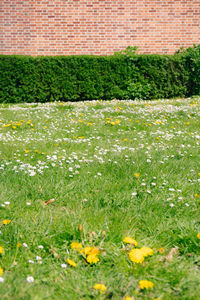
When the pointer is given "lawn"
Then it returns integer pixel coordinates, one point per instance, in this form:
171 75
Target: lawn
115 176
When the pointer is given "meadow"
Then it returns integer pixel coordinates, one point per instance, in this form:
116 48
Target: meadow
100 200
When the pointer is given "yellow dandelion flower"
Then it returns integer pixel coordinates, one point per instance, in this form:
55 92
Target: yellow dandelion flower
199 173
100 287
137 175
92 259
128 298
146 284
94 251
6 222
1 271
198 235
136 255
71 262
161 250
129 240
1 250
86 250
90 250
76 246
26 151
146 251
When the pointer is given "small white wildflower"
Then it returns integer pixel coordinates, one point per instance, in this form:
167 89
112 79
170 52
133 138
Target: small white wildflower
1 279
25 245
171 205
38 258
186 204
6 202
31 261
171 189
30 279
134 194
32 173
64 266
153 183
28 203
41 247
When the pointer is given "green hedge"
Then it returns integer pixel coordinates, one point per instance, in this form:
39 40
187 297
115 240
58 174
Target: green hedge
73 78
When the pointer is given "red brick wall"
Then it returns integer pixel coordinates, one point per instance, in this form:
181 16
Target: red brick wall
64 27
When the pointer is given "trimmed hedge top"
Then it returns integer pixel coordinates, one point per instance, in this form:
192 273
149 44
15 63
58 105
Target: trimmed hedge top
121 76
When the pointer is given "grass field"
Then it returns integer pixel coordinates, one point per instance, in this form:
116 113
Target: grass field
95 173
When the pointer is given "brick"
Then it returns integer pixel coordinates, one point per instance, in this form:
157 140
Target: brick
60 27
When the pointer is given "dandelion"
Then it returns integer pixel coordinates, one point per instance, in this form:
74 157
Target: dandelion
92 259
136 256
30 279
94 251
198 235
71 262
86 250
90 250
76 246
129 240
146 284
128 298
137 175
6 222
146 251
100 287
161 250
1 250
1 271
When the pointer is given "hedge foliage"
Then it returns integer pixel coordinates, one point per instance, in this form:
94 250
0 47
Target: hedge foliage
121 76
